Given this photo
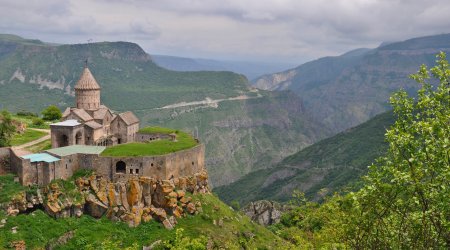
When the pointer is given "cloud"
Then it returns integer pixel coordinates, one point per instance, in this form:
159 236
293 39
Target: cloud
270 30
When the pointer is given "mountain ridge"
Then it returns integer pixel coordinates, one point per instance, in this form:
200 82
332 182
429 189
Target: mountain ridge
328 166
347 90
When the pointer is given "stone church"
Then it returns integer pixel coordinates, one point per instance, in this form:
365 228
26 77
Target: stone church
90 122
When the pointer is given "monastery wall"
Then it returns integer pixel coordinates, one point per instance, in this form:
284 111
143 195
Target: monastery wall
179 164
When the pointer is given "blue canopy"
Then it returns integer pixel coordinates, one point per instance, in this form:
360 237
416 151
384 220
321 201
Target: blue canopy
41 157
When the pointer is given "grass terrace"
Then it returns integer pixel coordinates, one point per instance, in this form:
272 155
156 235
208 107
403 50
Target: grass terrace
158 147
28 136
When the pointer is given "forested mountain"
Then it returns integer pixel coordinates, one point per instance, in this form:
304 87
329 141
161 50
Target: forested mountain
318 170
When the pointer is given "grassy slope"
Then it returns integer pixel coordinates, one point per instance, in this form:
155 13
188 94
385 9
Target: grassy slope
28 136
159 147
330 164
8 188
47 144
37 229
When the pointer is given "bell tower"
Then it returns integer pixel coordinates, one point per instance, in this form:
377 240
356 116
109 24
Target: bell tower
87 91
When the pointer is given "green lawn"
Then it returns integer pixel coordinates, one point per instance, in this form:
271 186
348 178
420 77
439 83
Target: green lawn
27 136
159 147
47 144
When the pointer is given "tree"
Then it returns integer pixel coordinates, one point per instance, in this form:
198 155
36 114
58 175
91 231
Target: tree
52 113
7 128
405 202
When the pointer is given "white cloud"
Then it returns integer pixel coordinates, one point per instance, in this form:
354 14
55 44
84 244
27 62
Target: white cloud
288 30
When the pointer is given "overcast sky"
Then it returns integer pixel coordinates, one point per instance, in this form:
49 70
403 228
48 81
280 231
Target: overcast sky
251 30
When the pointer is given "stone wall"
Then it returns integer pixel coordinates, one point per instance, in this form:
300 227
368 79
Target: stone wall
22 168
182 163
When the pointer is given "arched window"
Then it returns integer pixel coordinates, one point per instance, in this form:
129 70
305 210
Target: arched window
78 138
121 167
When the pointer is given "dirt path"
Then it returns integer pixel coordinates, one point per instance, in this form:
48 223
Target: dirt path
31 143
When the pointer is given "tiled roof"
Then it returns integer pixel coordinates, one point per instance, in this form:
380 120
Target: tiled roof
66 112
93 125
87 81
76 149
128 117
66 123
82 114
101 112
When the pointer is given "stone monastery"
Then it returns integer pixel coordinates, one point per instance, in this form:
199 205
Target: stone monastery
90 123
86 130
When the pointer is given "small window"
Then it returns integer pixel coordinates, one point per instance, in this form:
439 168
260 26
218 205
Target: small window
66 166
137 171
151 164
192 163
131 171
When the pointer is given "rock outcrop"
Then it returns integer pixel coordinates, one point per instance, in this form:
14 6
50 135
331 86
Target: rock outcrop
139 199
265 212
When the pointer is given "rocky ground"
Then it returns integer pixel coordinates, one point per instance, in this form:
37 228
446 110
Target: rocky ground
133 201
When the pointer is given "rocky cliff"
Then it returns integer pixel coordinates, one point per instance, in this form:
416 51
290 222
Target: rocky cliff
137 200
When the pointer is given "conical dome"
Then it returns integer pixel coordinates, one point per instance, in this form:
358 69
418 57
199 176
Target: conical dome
87 81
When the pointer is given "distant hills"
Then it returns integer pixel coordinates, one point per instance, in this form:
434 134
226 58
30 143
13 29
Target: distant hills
345 90
244 129
320 169
251 70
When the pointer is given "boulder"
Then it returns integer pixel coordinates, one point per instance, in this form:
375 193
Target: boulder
94 207
190 208
264 212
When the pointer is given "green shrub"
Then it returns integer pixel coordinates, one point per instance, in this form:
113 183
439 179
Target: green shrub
52 113
36 121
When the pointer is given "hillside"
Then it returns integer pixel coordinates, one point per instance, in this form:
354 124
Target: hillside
320 169
251 70
216 225
349 89
244 129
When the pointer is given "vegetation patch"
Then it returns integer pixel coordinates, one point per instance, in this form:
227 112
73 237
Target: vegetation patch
39 147
217 224
158 147
28 136
9 188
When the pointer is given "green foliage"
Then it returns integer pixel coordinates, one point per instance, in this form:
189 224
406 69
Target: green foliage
405 200
37 122
158 147
25 113
7 129
181 242
28 136
51 113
